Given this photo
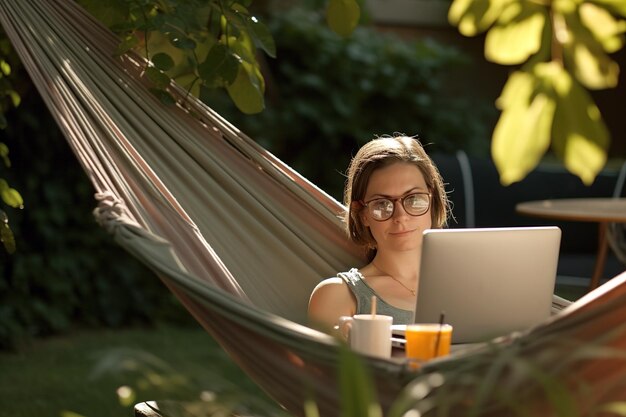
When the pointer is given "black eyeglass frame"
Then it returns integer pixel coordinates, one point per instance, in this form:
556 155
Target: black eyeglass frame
393 201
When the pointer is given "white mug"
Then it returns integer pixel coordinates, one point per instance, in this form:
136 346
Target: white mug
368 334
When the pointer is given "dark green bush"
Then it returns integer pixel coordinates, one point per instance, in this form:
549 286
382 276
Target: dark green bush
66 270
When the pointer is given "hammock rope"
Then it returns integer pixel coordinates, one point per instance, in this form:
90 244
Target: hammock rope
241 239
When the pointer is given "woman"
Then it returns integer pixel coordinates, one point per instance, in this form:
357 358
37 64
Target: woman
393 193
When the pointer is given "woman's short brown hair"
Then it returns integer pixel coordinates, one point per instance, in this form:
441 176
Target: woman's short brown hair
377 154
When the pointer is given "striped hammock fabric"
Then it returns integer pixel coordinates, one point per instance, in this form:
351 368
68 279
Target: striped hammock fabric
242 239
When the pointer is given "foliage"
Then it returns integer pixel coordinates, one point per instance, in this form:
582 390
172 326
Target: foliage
563 49
327 95
200 44
342 16
9 98
68 272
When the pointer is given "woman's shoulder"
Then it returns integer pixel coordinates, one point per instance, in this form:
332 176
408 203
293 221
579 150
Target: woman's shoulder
337 286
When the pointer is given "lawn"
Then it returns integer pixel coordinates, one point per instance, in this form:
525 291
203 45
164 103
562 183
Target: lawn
79 374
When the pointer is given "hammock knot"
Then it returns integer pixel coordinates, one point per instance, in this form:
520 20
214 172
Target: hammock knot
111 211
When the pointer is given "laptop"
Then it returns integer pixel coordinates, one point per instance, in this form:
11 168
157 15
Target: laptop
487 282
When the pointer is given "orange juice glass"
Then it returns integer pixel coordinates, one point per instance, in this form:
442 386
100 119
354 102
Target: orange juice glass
421 340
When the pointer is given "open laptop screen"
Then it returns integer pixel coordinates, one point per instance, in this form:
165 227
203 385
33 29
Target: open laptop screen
488 282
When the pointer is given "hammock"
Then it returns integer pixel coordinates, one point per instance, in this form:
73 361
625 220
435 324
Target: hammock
242 239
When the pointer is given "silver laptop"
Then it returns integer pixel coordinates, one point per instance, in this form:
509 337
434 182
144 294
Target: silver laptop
488 282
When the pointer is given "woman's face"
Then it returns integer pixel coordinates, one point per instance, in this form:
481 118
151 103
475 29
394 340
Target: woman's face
402 232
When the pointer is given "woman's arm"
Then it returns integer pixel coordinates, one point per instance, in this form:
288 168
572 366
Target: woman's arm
330 300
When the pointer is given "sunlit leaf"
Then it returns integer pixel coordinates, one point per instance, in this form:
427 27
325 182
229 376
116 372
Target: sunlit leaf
522 134
261 36
246 91
357 394
565 6
586 56
5 67
310 408
11 197
513 39
618 408
162 61
242 47
184 59
157 77
220 67
580 136
519 83
15 98
616 6
342 16
605 28
475 16
253 28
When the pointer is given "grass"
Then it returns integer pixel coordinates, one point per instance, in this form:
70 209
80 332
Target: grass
79 374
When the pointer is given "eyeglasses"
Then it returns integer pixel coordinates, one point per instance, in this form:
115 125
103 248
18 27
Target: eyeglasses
381 209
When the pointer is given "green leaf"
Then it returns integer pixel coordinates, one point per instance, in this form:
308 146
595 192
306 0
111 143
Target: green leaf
246 91
579 136
157 77
219 68
606 29
358 398
342 16
592 66
517 34
4 154
242 47
617 7
3 121
162 61
126 44
475 16
11 197
261 35
16 100
6 235
181 41
253 28
5 67
522 134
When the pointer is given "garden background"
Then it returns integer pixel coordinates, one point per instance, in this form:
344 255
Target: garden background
66 309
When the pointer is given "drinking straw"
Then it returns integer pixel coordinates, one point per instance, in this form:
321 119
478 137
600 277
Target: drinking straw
441 318
373 306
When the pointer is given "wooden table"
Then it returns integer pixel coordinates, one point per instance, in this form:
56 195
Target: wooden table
600 210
